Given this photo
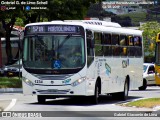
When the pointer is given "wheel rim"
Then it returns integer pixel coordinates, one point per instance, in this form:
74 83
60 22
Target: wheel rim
126 90
97 93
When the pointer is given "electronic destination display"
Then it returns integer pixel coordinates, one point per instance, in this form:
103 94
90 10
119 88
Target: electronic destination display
52 29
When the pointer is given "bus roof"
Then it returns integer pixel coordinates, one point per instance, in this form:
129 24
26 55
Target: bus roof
96 25
96 22
92 22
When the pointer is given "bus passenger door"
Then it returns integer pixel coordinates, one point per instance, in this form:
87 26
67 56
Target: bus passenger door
90 62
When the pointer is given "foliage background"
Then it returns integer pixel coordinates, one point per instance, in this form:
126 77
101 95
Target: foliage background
150 30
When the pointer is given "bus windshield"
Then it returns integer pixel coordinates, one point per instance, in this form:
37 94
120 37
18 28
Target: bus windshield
53 52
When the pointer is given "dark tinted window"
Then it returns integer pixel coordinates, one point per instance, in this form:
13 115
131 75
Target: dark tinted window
106 39
98 38
115 39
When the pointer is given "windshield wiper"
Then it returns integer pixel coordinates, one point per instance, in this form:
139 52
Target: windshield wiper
62 43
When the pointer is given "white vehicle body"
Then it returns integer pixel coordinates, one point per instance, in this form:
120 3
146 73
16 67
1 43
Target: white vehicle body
107 74
149 73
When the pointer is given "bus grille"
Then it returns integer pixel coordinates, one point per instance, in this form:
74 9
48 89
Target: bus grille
53 77
53 91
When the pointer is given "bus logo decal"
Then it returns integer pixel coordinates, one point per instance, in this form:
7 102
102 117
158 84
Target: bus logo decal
108 69
66 81
124 63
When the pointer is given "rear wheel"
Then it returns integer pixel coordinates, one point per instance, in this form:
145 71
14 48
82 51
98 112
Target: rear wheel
122 95
144 86
41 99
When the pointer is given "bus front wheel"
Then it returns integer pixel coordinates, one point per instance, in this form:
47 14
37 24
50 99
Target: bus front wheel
41 99
94 99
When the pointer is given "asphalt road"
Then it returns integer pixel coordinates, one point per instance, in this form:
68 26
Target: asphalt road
79 108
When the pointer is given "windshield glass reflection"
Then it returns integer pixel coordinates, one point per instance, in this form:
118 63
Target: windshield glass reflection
54 52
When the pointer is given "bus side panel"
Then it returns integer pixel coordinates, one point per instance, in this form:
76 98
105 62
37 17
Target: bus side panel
114 71
135 72
115 74
91 79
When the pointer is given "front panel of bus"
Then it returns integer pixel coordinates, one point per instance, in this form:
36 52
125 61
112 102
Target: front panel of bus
54 60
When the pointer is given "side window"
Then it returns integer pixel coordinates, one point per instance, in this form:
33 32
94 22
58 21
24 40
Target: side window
151 69
123 45
98 38
106 39
122 40
138 46
137 41
115 39
131 41
107 49
90 46
98 44
115 45
131 49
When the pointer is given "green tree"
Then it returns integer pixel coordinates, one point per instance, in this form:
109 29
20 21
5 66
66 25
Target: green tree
68 9
8 19
56 10
96 11
150 30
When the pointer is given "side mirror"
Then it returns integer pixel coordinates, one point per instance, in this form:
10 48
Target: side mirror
90 38
89 34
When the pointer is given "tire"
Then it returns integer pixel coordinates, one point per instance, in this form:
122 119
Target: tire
122 95
94 99
41 99
144 86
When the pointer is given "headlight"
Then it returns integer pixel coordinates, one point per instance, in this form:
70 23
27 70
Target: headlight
5 68
79 81
157 74
28 82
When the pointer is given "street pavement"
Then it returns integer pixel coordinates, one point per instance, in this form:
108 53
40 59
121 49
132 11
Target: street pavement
7 104
4 104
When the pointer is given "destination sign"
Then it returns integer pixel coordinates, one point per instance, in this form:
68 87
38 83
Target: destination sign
52 29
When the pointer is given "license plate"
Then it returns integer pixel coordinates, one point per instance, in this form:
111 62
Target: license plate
10 73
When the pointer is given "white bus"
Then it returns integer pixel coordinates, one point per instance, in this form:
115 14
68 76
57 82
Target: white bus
81 58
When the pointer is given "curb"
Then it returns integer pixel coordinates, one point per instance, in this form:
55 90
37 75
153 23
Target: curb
11 90
156 108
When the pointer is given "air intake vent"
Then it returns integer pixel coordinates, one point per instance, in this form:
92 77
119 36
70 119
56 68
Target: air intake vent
53 77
